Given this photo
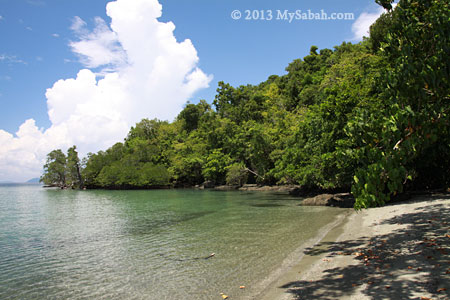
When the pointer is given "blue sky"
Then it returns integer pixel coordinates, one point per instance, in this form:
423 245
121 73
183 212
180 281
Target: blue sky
41 45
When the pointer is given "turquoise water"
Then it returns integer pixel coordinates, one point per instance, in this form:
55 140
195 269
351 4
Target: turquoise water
68 244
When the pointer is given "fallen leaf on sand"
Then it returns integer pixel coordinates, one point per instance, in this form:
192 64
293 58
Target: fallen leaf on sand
224 296
242 287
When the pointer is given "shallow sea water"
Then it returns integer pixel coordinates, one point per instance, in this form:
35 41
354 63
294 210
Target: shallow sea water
64 244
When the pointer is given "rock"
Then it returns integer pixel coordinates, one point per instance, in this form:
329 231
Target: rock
208 185
226 187
285 189
337 200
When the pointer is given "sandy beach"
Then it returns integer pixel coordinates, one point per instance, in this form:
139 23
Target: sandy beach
400 251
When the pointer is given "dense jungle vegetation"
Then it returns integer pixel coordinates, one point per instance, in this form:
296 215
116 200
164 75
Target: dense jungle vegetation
371 117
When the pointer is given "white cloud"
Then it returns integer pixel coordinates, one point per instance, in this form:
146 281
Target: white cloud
55 35
1 18
36 2
11 59
361 26
144 72
97 48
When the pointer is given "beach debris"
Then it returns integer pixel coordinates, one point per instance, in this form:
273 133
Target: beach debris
211 255
441 290
425 298
387 287
242 287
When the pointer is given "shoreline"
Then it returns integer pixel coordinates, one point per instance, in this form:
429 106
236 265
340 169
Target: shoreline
399 251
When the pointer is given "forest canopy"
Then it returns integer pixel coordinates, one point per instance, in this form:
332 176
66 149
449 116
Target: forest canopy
371 117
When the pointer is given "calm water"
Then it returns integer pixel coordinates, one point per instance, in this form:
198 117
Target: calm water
145 244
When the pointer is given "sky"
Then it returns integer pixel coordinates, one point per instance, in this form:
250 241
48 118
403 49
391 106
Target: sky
82 72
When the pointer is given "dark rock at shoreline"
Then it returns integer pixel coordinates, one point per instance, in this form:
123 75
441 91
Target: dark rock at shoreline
208 185
226 188
344 200
266 188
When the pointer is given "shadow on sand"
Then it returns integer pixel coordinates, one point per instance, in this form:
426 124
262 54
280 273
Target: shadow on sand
408 262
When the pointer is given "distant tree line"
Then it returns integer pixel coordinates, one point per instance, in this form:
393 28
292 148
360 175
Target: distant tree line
371 117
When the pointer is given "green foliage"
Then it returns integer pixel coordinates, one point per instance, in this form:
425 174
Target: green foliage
216 166
372 117
55 169
73 169
409 138
191 114
237 174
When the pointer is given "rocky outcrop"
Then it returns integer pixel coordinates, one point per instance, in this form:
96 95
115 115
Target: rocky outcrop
287 189
208 185
336 200
226 188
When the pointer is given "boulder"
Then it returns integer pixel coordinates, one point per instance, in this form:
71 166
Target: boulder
337 200
208 185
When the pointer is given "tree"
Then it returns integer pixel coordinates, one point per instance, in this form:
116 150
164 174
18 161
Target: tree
407 140
73 169
237 174
55 169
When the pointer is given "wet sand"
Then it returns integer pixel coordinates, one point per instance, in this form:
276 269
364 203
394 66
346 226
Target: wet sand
400 251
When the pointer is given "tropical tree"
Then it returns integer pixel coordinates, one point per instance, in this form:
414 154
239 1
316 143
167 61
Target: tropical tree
55 169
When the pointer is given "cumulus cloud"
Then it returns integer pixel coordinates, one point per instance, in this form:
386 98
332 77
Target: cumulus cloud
135 68
361 26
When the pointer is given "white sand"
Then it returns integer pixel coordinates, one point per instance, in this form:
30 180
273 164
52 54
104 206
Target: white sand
399 251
